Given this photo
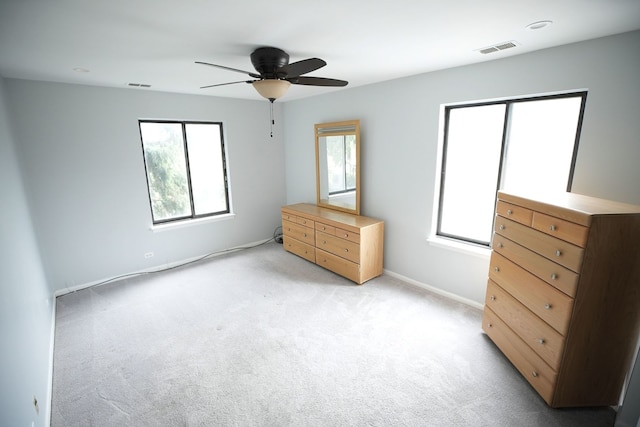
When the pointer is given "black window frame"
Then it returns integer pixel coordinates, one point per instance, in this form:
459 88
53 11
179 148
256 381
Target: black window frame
508 104
193 215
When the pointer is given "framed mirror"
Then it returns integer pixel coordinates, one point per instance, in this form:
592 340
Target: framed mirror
338 165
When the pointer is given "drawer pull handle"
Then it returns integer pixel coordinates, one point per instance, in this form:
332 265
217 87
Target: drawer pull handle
324 242
490 325
553 276
509 212
547 306
541 341
558 252
552 228
499 245
502 227
305 234
496 269
346 250
535 374
346 235
492 297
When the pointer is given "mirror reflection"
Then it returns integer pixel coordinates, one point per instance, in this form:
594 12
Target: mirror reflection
337 165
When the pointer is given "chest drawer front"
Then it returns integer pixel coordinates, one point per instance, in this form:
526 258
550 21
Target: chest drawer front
337 246
329 229
557 250
298 231
299 248
541 337
554 274
565 230
548 303
339 265
530 365
514 212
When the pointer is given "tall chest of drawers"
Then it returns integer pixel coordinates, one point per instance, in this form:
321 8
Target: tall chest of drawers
349 245
563 294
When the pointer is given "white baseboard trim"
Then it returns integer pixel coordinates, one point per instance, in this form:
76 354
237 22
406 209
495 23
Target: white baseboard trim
435 290
155 269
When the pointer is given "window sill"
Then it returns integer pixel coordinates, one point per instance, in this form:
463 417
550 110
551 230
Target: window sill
190 222
462 247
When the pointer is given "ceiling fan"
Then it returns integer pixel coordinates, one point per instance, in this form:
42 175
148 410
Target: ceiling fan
274 73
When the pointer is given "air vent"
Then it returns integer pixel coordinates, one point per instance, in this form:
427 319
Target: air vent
497 47
139 85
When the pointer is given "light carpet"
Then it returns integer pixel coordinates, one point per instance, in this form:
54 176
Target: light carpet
263 338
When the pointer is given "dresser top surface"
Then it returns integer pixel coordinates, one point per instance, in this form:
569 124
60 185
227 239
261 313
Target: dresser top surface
330 215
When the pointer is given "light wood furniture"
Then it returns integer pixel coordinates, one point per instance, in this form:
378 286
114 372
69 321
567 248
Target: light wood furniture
563 295
349 245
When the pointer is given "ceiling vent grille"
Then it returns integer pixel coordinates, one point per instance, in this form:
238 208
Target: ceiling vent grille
497 47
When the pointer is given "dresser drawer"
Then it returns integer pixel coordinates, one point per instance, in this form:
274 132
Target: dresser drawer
347 235
338 246
298 231
514 212
339 265
565 230
548 303
541 337
530 365
289 217
554 274
329 229
303 250
305 221
557 250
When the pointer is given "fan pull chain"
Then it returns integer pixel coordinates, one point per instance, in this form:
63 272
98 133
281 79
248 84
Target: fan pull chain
273 122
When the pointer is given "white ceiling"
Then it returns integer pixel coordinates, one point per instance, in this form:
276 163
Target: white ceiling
156 42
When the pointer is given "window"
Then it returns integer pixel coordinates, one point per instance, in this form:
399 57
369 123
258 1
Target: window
186 169
527 144
341 159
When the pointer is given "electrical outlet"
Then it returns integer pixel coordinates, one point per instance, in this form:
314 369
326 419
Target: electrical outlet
148 255
35 405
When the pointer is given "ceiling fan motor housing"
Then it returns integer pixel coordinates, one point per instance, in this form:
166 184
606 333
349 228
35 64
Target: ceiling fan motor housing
266 60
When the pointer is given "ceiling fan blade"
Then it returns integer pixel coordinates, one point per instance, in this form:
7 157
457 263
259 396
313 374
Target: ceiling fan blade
299 68
257 76
230 83
317 81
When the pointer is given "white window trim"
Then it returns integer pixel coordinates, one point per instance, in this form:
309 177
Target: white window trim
190 222
466 248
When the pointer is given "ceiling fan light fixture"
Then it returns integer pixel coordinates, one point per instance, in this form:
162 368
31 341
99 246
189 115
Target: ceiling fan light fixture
271 89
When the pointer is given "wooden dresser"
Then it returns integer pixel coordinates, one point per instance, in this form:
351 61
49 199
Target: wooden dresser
349 245
563 295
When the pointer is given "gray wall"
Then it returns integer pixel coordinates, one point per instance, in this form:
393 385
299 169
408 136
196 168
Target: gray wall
82 160
400 124
26 301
